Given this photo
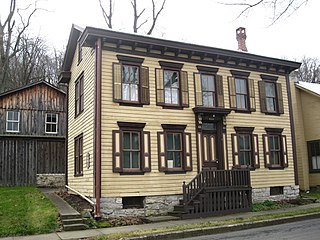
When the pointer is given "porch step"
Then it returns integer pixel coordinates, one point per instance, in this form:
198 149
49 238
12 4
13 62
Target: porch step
72 221
74 227
75 215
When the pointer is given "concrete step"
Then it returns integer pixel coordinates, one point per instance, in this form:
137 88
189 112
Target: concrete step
72 221
70 215
75 227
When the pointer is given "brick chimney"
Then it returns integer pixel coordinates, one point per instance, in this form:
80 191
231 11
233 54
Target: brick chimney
241 38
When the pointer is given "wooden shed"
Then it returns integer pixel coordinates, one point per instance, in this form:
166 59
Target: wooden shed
32 136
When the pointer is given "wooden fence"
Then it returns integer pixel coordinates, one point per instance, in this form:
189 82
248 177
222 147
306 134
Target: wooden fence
22 158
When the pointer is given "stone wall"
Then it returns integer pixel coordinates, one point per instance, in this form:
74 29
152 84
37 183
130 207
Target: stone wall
51 180
262 194
156 205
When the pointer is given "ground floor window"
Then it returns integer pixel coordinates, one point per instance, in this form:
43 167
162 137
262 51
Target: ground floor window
314 155
78 155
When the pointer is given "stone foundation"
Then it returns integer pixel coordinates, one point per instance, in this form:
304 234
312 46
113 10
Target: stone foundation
262 194
155 205
51 180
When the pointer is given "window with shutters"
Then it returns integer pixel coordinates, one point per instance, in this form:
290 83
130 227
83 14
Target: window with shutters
172 85
275 149
271 99
245 148
78 156
130 81
208 88
241 92
174 146
79 95
314 156
131 148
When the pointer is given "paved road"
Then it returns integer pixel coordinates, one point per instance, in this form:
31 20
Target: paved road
302 230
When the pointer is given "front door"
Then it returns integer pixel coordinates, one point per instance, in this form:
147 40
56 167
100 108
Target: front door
209 150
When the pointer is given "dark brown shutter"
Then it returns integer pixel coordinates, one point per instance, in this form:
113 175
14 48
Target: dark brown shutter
219 85
198 89
117 80
255 147
199 149
162 152
184 89
252 95
266 151
145 96
280 98
116 151
284 151
232 93
146 155
235 150
187 152
159 86
262 92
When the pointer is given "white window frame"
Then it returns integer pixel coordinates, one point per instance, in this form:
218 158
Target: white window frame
52 123
13 121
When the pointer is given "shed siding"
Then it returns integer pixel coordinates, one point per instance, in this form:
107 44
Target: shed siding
83 123
157 183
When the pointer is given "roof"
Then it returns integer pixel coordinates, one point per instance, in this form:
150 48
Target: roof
29 86
313 88
195 53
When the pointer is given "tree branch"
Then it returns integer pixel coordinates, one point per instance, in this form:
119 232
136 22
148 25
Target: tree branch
155 15
107 16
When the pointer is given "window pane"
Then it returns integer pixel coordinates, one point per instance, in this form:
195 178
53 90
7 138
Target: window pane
174 80
271 143
207 99
210 83
10 126
318 162
126 140
125 91
276 142
125 74
53 128
126 159
169 155
170 141
135 141
134 92
177 142
134 75
167 95
177 159
270 89
241 101
53 118
167 79
204 83
174 96
135 159
241 86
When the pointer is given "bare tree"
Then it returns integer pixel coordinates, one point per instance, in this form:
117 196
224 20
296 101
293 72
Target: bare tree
11 32
137 14
107 15
309 70
279 8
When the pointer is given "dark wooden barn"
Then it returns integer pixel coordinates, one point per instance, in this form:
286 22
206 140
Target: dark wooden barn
32 136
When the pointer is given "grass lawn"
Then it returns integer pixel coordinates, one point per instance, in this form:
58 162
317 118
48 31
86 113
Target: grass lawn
313 193
25 211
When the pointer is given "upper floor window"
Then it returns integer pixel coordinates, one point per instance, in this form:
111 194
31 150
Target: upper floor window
271 100
79 95
245 148
275 148
241 91
208 90
174 146
13 121
131 148
51 123
172 85
208 87
78 155
314 156
130 81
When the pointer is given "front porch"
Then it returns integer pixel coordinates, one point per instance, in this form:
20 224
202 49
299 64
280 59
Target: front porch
216 192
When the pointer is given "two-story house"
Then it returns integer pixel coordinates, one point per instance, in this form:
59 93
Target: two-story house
32 136
154 121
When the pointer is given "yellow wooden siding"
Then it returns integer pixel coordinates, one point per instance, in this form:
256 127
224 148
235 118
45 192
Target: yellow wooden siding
301 144
311 126
158 183
84 123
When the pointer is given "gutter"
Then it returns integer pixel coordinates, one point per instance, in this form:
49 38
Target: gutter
97 125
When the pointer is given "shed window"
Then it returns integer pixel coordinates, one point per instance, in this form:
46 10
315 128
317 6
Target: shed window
13 121
51 123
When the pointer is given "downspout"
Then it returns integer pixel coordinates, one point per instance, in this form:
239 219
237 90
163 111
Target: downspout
67 133
294 152
97 124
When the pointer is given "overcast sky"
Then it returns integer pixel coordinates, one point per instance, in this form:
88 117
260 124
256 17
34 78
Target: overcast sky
204 22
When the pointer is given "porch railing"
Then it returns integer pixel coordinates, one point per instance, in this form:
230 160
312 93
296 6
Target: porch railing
218 181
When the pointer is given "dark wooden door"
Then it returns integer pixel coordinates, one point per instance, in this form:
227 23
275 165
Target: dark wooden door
209 150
